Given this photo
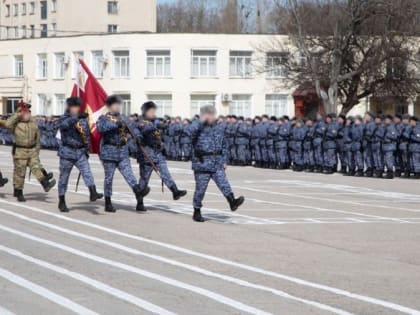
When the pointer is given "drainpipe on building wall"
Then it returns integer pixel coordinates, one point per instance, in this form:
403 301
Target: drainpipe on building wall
410 107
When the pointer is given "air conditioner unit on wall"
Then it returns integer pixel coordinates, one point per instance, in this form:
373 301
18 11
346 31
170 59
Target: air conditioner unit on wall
226 98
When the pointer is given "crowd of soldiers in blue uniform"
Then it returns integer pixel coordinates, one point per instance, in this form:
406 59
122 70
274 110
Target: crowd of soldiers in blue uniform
371 146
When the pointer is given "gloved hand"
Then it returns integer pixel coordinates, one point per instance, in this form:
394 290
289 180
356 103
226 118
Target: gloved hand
83 115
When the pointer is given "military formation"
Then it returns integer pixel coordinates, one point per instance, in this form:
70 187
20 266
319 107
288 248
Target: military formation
380 146
141 137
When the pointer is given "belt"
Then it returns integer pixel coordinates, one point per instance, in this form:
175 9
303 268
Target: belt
116 145
74 147
24 146
202 154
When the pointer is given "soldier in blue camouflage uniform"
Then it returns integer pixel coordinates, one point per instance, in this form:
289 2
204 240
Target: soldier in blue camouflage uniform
242 140
230 133
308 152
74 150
414 146
375 147
150 129
185 141
255 142
341 121
347 139
271 137
282 144
210 160
114 151
398 155
298 136
389 146
319 134
263 133
369 129
177 152
357 147
330 145
403 146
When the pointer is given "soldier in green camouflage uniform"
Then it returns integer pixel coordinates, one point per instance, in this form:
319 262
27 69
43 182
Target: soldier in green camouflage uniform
26 151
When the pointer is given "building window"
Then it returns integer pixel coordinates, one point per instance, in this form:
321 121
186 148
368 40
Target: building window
42 66
240 64
163 102
112 7
16 32
241 105
158 63
53 29
12 104
7 10
276 105
204 63
126 104
98 63
18 66
15 9
32 31
59 104
59 65
44 10
198 101
276 65
23 8
32 7
43 105
121 63
44 30
24 32
112 28
75 67
53 5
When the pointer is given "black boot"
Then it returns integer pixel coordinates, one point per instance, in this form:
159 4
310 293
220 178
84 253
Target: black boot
62 204
140 194
108 205
197 215
398 173
47 175
359 173
47 184
94 195
3 180
369 172
389 175
19 195
177 194
235 203
140 206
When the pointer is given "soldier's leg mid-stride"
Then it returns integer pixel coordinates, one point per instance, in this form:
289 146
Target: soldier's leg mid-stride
3 180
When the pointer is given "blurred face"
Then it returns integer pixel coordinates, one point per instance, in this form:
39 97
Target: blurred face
208 118
358 122
397 120
413 123
388 121
328 120
26 116
348 122
406 121
151 113
115 108
74 110
318 116
367 117
340 120
309 123
378 120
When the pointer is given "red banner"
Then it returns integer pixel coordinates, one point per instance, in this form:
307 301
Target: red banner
93 101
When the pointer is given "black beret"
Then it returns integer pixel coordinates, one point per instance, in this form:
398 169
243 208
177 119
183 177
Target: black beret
399 116
73 102
265 116
406 116
112 99
233 117
285 117
257 117
342 116
414 118
389 117
241 118
273 118
147 106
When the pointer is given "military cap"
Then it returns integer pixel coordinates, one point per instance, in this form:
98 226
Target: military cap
285 117
113 99
406 116
74 102
414 118
370 114
273 118
389 117
265 116
399 116
208 109
148 106
342 116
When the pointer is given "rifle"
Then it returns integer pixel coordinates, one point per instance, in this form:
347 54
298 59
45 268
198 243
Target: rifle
144 152
78 180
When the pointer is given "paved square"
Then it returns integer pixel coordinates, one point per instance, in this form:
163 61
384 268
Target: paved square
301 244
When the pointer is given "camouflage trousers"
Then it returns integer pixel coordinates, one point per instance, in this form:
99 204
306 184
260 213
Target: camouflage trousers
34 165
308 158
202 181
355 160
243 153
330 157
389 160
186 150
126 171
146 171
377 157
282 156
66 167
415 162
368 155
318 155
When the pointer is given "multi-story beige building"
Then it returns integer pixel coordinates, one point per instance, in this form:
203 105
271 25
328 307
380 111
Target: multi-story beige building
47 18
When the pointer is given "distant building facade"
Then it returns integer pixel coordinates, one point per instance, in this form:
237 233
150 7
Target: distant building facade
47 18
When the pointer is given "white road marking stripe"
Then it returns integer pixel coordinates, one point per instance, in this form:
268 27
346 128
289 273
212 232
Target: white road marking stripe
223 261
178 264
147 274
91 282
41 291
4 311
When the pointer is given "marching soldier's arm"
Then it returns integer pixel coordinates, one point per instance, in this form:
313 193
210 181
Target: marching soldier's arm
12 121
104 124
67 122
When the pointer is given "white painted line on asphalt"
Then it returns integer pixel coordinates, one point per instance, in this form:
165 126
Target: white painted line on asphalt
178 264
227 262
145 305
41 291
4 311
147 274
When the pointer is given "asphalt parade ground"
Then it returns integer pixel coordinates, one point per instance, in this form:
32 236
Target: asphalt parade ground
301 244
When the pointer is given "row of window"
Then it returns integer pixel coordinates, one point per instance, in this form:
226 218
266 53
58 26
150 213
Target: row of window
14 32
158 64
30 8
240 105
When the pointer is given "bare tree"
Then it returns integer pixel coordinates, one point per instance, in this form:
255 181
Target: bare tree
350 49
